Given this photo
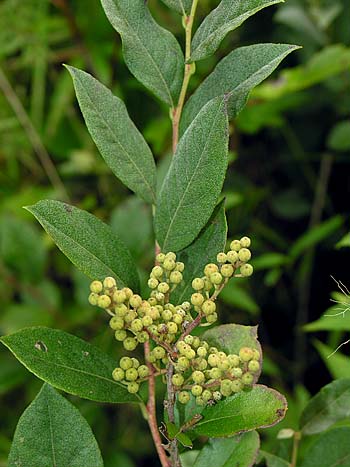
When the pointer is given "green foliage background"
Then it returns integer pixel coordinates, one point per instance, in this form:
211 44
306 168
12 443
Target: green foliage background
287 187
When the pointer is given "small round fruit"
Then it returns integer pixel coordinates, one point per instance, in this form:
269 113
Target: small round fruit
196 390
202 352
133 387
184 397
177 380
234 360
143 371
157 272
135 301
254 366
212 318
198 284
120 335
172 327
169 264
237 372
175 277
226 387
142 337
104 301
232 256
160 257
246 354
216 278
93 299
245 242
213 360
119 296
158 352
247 379
125 363
109 283
208 307
227 270
235 245
217 396
244 255
130 343
236 386
152 283
221 258
163 287
118 374
198 377
131 374
116 323
246 270
197 299
210 269
179 266
96 286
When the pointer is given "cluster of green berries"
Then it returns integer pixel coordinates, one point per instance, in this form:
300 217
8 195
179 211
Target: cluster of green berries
210 374
136 321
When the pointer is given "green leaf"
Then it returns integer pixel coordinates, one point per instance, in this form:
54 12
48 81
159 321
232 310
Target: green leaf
52 432
151 53
329 450
339 139
316 235
259 407
89 243
256 62
120 143
273 461
337 363
181 6
202 251
329 406
193 184
230 338
236 296
225 452
336 318
68 363
226 17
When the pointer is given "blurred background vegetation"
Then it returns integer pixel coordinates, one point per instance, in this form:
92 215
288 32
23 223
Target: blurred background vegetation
287 187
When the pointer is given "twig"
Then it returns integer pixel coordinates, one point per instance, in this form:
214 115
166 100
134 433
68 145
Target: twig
296 441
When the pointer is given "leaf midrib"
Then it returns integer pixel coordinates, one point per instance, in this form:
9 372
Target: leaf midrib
51 433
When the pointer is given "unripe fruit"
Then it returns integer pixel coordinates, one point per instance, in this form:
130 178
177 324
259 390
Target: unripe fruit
120 310
245 242
223 364
213 360
118 374
197 283
130 343
237 372
254 366
189 339
202 352
197 299
125 363
136 325
171 255
135 301
186 306
200 363
215 373
227 270
256 354
154 313
236 386
206 395
142 337
207 285
200 401
172 327
217 396
175 277
116 323
159 296
93 299
179 266
96 286
163 287
120 335
246 270
212 318
233 360
131 374
152 283
135 362
184 397
244 255
208 307
216 278
167 315
109 283
143 371
226 387
177 380
221 258
147 321
160 257
198 377
213 350
119 296
232 256
157 272
183 363
130 316
133 387
128 292
197 390
246 354
182 346
158 352
210 269
247 379
235 245
178 319
104 301
196 342
152 300
169 264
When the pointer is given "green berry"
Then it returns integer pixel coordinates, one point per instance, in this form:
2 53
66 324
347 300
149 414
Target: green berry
196 390
227 270
179 266
177 380
236 372
254 366
147 321
189 339
183 363
93 299
120 335
158 352
210 269
234 360
119 296
135 301
197 299
186 306
175 277
171 255
207 395
116 323
178 319
159 296
96 286
256 355
247 379
167 315
223 364
200 363
109 283
200 401
136 325
130 316
172 327
246 354
131 374
125 363
198 284
190 354
142 337
226 387
217 396
163 287
207 285
120 310
202 352
198 377
208 307
133 387
184 397
245 242
104 301
215 373
143 371
196 342
160 257
246 270
152 283
169 264
135 362
213 360
236 386
244 255
118 374
157 272
221 258
216 278
212 318
130 343
232 256
235 245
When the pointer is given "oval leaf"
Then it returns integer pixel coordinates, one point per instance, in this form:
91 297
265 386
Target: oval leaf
120 143
68 363
329 406
259 407
89 243
226 17
236 75
329 450
337 363
230 338
52 431
151 53
193 183
181 6
240 450
202 251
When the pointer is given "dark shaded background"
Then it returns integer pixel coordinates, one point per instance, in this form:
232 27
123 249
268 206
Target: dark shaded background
287 187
